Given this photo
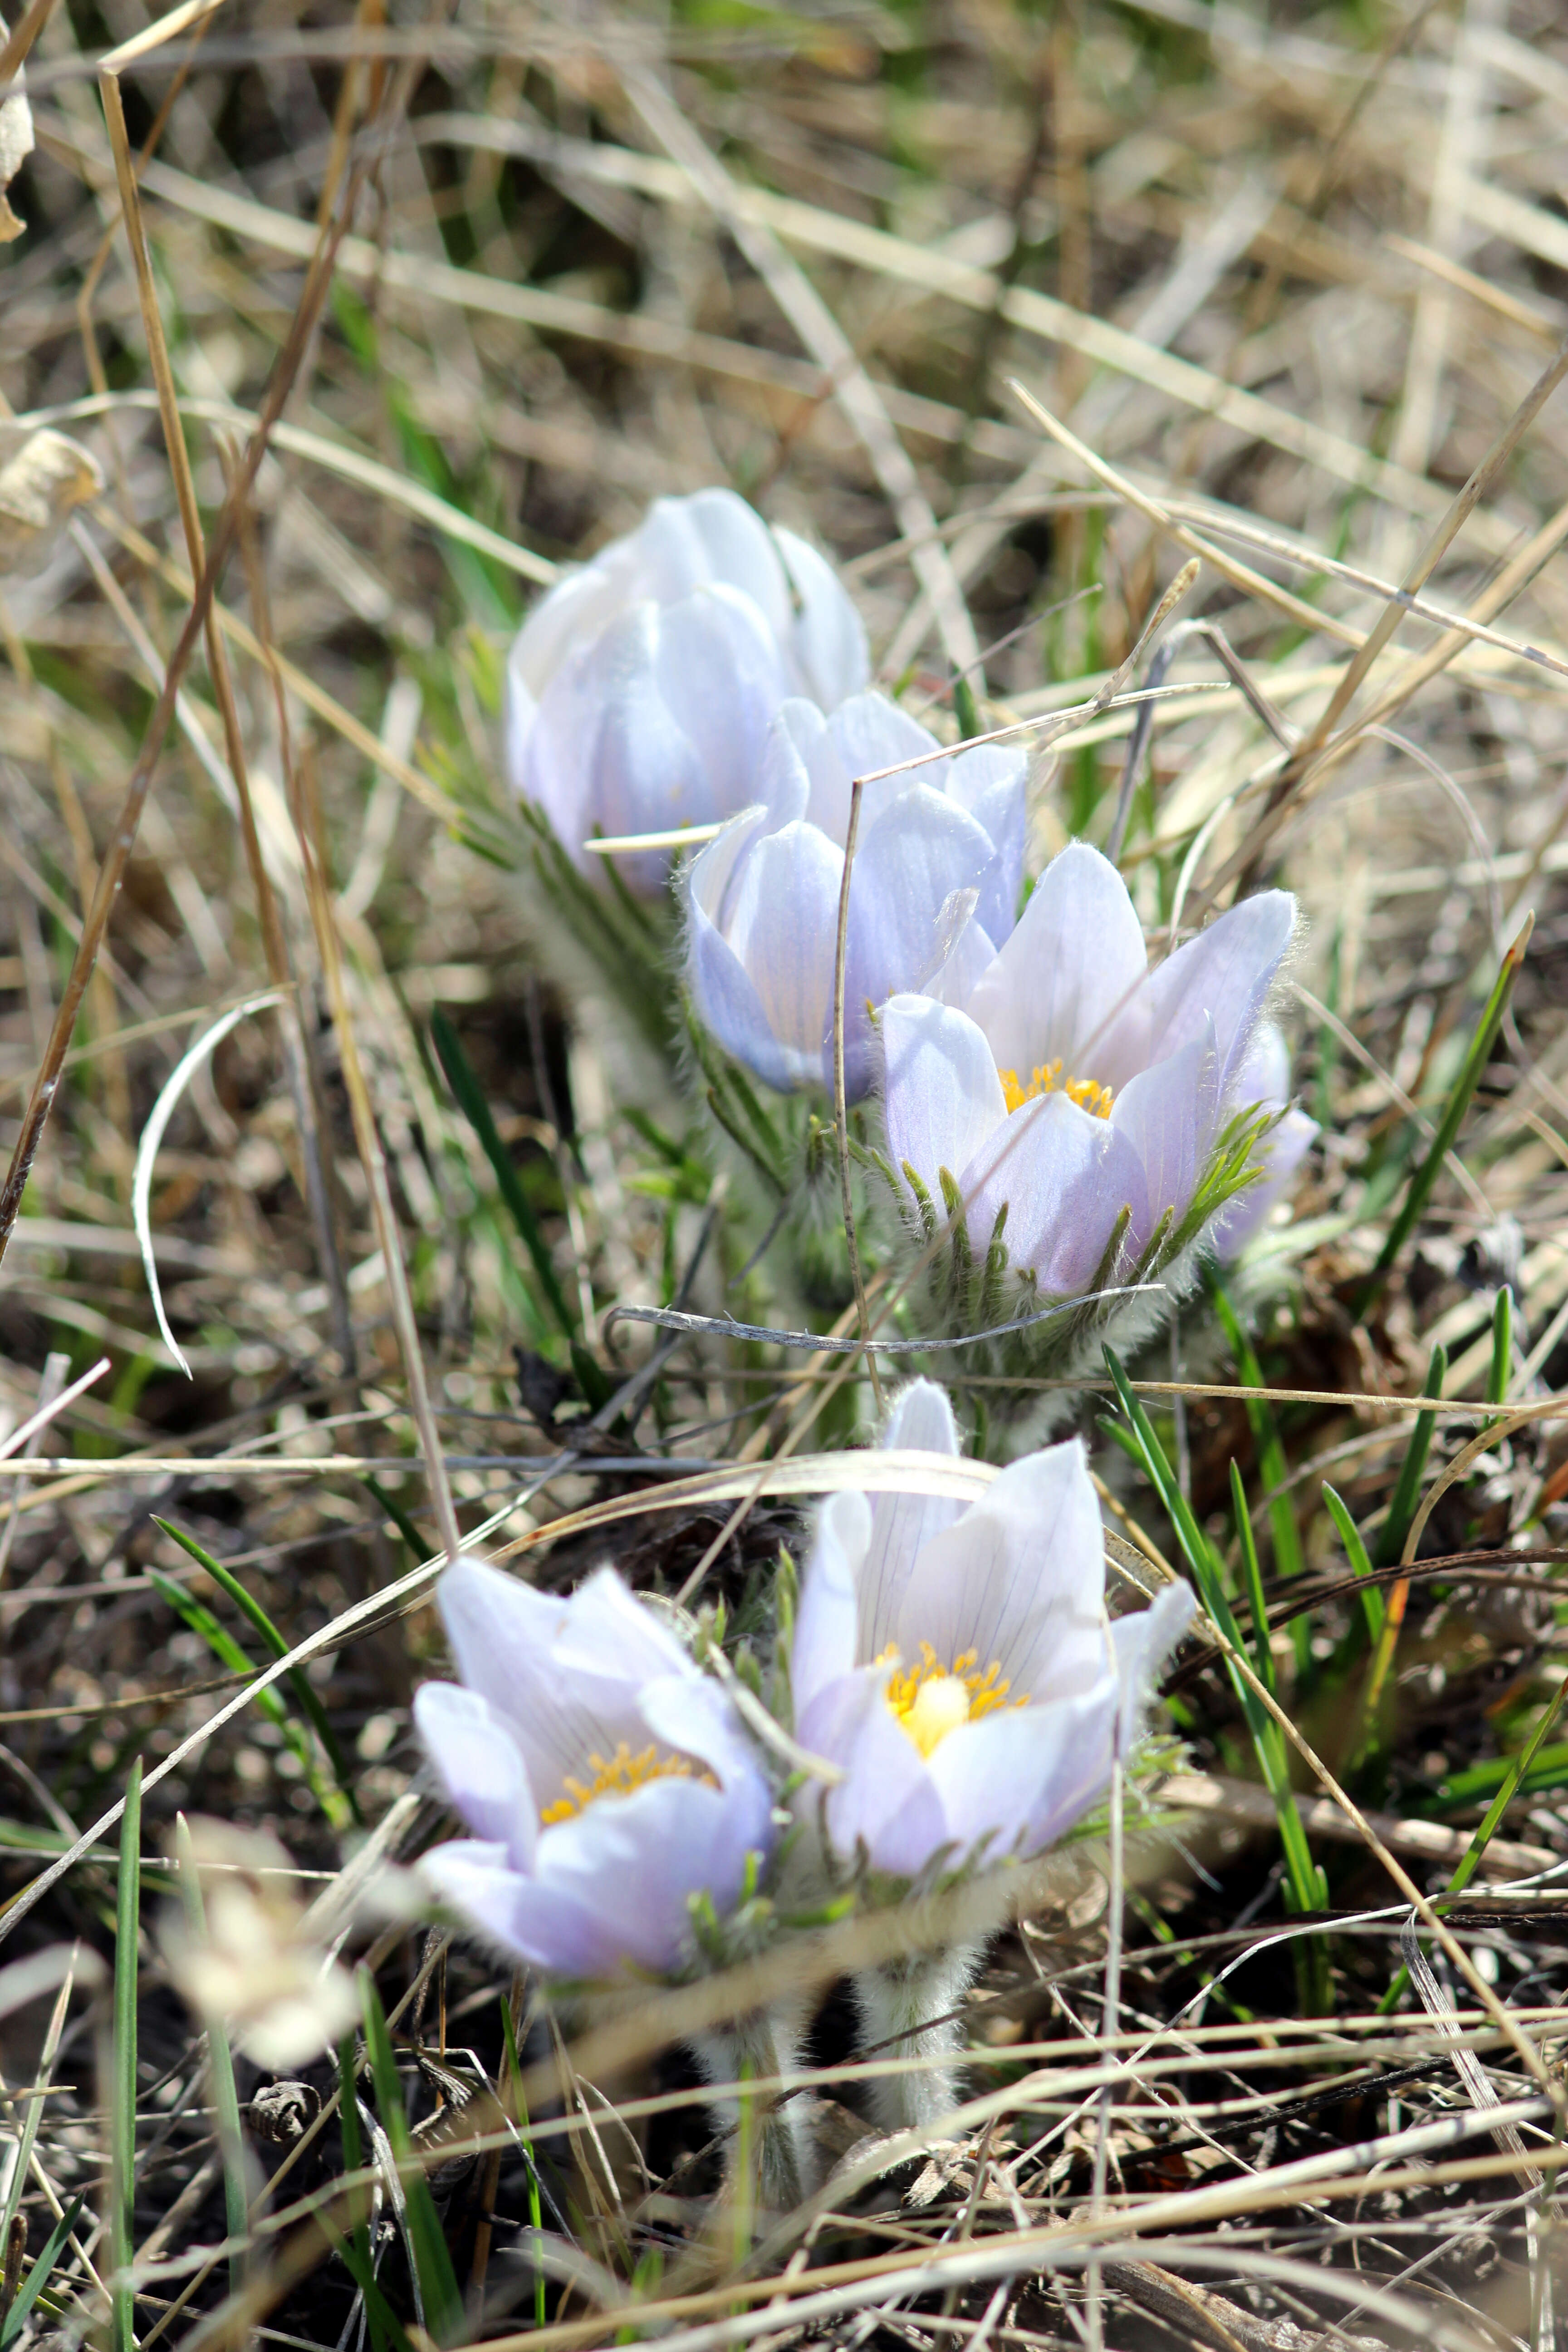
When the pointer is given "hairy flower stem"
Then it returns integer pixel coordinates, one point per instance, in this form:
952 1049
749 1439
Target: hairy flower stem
775 2140
908 2011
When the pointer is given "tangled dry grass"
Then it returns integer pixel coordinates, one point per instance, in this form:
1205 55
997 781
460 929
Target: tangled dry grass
1290 288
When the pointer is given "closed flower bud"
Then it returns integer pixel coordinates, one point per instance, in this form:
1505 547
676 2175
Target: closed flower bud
639 690
936 877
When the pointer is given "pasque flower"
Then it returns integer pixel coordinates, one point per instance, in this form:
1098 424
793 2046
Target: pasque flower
957 1662
639 692
606 1778
1086 1114
938 864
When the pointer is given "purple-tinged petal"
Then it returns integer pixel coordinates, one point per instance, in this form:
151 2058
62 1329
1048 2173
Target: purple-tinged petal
886 1799
902 1524
552 1931
914 857
827 641
784 930
1167 1115
1075 957
691 1715
823 1649
480 1766
943 1098
611 1637
993 1775
1223 976
991 783
1019 1579
1064 1177
640 1859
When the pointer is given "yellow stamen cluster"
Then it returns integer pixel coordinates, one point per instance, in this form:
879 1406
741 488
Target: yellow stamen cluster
928 1700
618 1777
1048 1079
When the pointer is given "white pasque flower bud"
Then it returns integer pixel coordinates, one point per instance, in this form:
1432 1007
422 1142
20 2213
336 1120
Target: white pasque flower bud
639 692
938 869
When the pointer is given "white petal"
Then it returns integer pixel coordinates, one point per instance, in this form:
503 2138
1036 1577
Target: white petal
1223 976
1076 957
637 1860
994 1776
828 638
784 929
991 783
691 1715
915 856
719 674
1019 1580
553 1930
886 1799
942 1098
902 1524
1167 1115
1064 1177
479 1766
823 1649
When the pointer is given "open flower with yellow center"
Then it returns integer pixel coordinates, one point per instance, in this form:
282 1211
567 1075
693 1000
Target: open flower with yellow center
957 1663
1082 1114
606 1778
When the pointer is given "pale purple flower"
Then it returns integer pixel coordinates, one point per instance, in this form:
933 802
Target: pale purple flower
957 1662
939 861
639 690
1064 1082
606 1778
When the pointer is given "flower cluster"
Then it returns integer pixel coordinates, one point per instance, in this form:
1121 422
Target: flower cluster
953 1667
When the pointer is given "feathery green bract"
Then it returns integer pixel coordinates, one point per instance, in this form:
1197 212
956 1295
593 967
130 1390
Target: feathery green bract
428 2246
1471 1070
220 2068
38 2278
122 2081
298 1680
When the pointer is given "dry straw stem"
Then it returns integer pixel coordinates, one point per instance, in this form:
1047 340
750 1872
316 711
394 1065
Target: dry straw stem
113 867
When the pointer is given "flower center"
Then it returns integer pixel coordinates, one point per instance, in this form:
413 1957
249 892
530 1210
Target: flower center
617 1777
928 1700
1048 1079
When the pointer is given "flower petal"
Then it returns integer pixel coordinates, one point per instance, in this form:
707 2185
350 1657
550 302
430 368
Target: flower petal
1019 1580
1167 1115
994 1777
915 854
1076 957
991 783
824 1646
827 642
547 1926
480 1766
640 1859
887 1801
1064 1178
783 931
1223 976
942 1098
688 1713
902 1524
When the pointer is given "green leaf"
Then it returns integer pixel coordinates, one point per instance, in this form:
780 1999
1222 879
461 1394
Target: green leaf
37 2277
298 1680
1471 1071
1272 1466
1407 1492
470 1100
1371 1600
427 2248
1502 1347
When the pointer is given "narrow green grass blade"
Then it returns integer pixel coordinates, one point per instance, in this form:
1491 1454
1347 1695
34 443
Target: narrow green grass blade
1357 1553
471 1101
386 2329
38 2278
1419 1190
234 1655
1407 1492
299 1681
1502 1347
1252 1577
519 2103
122 2080
1272 1466
220 2067
427 2239
353 2161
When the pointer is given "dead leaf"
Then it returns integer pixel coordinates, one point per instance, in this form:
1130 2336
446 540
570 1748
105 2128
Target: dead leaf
40 481
15 146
